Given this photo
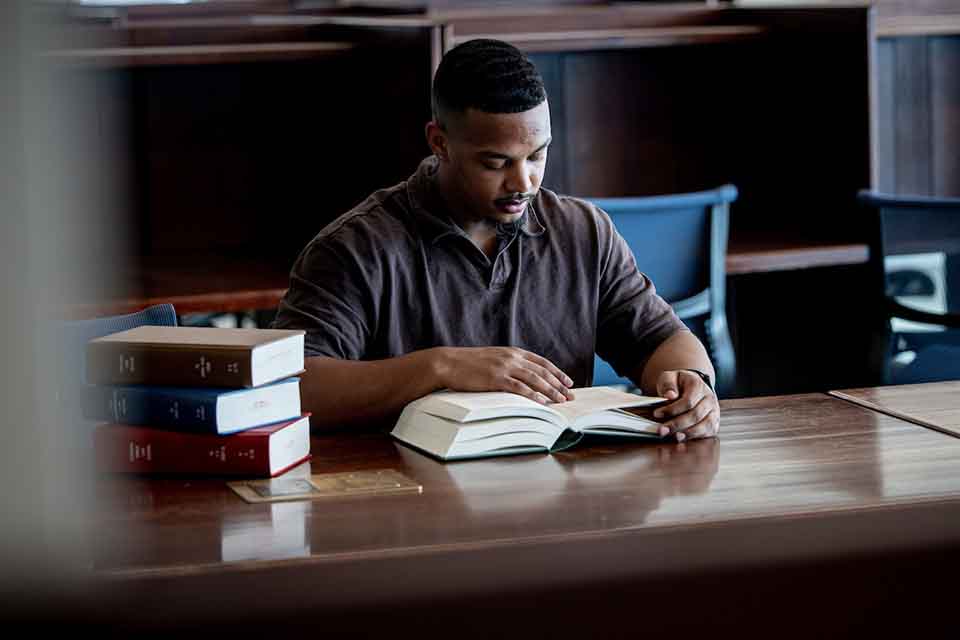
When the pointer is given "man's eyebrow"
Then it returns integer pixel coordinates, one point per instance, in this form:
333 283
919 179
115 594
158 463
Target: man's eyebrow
543 146
503 156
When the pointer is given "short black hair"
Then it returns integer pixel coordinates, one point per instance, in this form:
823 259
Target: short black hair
487 75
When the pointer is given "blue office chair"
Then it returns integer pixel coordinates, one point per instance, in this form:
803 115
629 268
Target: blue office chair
680 242
915 271
76 334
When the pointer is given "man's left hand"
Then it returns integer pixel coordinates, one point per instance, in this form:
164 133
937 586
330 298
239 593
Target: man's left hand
693 412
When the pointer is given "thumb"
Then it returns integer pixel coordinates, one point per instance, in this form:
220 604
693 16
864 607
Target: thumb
667 385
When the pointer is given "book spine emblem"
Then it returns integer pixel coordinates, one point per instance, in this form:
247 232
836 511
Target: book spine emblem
175 410
203 366
117 406
140 452
128 364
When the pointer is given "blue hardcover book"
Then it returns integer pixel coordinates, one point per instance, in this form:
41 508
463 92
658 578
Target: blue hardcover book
205 410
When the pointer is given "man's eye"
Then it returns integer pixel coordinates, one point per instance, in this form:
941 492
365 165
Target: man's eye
494 166
538 156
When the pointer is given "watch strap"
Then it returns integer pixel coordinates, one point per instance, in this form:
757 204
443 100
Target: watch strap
703 376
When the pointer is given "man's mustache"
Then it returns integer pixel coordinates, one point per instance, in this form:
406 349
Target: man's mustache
517 197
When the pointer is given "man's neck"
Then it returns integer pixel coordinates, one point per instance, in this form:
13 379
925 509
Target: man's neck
482 231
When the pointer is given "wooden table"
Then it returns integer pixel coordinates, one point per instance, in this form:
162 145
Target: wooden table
809 515
935 405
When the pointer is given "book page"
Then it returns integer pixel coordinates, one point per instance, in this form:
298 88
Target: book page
467 406
589 400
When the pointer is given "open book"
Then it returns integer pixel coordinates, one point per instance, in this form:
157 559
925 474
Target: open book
452 425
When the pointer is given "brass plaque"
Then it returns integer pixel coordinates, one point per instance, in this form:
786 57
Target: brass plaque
326 485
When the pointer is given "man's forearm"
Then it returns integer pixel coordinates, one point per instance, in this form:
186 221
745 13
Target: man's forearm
341 392
682 350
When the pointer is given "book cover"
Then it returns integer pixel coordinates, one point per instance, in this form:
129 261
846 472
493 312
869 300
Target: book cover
194 357
261 452
196 409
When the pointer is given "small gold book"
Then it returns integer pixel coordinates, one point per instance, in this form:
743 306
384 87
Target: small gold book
368 482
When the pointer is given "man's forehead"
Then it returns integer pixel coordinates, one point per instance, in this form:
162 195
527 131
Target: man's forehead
525 128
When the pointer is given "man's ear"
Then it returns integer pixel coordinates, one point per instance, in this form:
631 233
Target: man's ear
438 141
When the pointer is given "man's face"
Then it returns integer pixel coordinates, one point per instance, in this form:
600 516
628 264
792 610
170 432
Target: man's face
493 162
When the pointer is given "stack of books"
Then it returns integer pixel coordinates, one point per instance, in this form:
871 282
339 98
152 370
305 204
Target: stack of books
196 400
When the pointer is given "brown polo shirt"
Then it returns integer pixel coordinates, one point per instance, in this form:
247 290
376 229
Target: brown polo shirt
396 274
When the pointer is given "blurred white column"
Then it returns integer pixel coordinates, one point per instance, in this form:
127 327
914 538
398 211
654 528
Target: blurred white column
58 239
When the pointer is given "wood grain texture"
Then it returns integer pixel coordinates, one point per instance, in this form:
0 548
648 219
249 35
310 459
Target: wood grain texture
945 113
918 82
192 283
745 256
796 489
935 405
778 457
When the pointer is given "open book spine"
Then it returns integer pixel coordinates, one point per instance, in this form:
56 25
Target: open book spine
117 363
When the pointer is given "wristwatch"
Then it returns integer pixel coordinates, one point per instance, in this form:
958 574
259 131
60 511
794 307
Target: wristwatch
703 376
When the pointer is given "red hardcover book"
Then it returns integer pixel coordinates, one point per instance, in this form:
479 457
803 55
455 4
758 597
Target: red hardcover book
262 452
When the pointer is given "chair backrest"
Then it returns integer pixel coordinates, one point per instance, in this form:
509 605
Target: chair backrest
915 274
79 332
680 242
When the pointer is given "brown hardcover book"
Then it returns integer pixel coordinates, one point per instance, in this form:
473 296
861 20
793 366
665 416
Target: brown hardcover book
195 356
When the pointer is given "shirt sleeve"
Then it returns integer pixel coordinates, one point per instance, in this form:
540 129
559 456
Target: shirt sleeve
333 288
632 320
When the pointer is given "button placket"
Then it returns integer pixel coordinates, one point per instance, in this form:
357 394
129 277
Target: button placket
501 265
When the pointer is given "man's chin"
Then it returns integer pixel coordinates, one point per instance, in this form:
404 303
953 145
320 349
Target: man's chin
507 218
509 215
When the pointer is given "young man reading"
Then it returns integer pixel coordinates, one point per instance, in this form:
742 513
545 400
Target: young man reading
469 276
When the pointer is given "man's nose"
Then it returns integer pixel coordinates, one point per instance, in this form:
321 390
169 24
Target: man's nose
521 179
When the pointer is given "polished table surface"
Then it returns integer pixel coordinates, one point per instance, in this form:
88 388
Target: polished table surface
775 457
935 405
796 483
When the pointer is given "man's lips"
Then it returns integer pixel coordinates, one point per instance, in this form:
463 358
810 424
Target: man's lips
512 205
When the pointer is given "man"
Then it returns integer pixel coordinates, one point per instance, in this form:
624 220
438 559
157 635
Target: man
469 276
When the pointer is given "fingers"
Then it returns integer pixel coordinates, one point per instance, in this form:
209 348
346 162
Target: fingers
506 383
706 428
505 369
561 381
543 382
668 385
690 390
694 414
701 422
534 377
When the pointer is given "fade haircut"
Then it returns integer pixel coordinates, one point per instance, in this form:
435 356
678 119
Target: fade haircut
487 75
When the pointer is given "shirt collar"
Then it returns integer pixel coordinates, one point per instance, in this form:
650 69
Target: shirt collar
435 223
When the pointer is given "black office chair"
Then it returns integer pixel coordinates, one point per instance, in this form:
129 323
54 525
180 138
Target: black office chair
680 242
915 271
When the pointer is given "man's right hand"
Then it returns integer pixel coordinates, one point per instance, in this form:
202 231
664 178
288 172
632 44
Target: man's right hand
501 369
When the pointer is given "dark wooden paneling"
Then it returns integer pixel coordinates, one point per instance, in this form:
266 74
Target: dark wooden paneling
945 113
885 105
911 123
918 107
259 157
636 121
